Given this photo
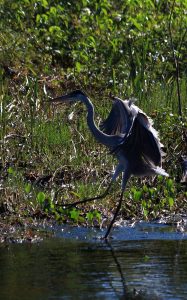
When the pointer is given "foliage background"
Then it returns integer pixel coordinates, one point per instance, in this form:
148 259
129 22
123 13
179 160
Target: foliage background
132 48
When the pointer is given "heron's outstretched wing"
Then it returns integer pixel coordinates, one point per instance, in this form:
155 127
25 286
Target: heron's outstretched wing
151 145
145 138
140 138
119 120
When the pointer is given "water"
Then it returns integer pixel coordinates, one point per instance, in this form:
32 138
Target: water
146 261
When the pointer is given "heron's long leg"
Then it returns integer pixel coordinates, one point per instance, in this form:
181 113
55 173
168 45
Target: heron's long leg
90 199
118 170
114 217
126 176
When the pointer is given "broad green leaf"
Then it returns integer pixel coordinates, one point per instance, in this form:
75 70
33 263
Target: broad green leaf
169 184
97 216
145 212
78 66
11 170
144 203
40 197
74 214
171 201
28 188
89 216
137 195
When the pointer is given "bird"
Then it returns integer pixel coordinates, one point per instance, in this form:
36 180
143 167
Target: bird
184 170
129 134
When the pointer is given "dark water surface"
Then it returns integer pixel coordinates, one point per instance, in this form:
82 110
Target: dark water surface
146 261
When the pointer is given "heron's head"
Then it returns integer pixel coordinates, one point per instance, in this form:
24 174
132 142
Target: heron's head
76 95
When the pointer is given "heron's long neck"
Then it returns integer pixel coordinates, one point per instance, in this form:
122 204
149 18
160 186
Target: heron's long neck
103 138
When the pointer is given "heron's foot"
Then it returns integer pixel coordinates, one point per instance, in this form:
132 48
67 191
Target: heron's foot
106 237
86 200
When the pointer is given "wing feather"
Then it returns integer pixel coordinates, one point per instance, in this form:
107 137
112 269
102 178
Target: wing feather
140 138
119 120
143 139
151 146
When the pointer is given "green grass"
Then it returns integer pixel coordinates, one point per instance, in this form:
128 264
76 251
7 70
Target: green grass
86 166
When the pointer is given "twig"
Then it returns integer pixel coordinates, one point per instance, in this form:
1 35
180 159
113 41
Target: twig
176 59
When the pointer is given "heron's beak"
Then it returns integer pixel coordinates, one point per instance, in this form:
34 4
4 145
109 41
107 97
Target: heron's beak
60 99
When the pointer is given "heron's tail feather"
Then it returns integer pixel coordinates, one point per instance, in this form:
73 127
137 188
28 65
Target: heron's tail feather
161 171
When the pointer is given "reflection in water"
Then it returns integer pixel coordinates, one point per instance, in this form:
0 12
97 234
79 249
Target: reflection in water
75 269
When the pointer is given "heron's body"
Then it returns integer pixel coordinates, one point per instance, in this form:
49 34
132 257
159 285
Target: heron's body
129 134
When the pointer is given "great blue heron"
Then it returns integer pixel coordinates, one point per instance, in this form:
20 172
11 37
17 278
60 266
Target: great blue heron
129 134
